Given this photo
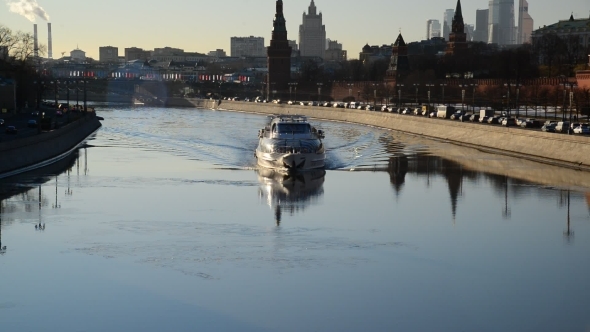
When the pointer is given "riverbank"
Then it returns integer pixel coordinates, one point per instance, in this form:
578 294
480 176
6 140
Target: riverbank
43 149
556 149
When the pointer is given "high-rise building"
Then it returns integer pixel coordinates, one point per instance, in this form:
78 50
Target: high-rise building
334 51
448 22
481 25
312 33
279 54
501 29
432 29
108 54
525 23
247 47
469 31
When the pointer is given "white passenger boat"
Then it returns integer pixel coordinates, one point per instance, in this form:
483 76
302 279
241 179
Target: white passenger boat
290 143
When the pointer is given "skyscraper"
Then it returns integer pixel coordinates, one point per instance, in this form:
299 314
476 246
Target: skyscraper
481 25
312 33
525 23
279 54
432 29
501 22
447 23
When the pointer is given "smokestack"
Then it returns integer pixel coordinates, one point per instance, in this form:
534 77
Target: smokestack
49 43
35 41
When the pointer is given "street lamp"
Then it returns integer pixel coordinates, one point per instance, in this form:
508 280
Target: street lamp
474 86
319 91
399 92
350 85
517 86
443 92
429 86
507 102
462 96
416 85
291 86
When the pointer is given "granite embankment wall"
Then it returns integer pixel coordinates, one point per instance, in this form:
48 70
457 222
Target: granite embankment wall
33 150
559 149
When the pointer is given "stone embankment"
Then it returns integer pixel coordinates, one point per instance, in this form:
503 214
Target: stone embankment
27 153
558 149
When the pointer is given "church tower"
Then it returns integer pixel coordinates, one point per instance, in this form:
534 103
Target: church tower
458 38
399 64
279 55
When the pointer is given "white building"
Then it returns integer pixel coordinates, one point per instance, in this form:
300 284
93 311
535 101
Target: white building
432 29
248 47
312 34
525 23
78 55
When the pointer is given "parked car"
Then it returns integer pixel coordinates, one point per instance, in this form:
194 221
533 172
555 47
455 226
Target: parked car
1 122
465 117
417 111
456 115
407 111
474 118
583 129
484 119
32 123
432 114
549 127
508 122
562 126
369 107
494 119
11 130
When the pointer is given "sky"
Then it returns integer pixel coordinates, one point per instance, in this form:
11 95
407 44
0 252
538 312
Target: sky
203 26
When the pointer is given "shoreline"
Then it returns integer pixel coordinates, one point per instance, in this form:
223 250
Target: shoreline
548 148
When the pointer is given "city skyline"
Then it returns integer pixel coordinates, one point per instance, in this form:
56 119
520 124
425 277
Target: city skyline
191 27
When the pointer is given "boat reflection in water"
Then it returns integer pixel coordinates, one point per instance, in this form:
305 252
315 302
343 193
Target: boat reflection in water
290 193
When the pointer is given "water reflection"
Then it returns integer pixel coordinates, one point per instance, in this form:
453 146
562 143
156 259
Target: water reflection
24 192
290 193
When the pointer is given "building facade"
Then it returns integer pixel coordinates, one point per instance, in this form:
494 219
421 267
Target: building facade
247 47
312 34
78 55
501 29
567 29
481 25
335 52
108 54
135 53
432 29
278 55
525 23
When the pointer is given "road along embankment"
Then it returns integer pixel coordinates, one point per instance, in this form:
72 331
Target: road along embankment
557 149
25 154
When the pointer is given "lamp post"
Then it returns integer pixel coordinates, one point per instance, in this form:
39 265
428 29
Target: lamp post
443 92
517 86
350 85
416 85
374 96
319 91
564 97
462 96
474 86
507 101
291 86
429 86
68 92
399 91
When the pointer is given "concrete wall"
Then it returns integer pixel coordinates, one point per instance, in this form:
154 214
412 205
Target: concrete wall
558 149
33 150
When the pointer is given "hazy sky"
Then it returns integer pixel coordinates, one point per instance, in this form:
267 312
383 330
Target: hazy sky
203 26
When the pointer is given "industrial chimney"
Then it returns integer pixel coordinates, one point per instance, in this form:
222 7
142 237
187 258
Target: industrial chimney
35 41
49 43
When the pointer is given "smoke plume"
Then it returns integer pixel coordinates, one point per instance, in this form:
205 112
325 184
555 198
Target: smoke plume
27 8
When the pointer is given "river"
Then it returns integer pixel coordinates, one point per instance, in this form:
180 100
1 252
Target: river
164 223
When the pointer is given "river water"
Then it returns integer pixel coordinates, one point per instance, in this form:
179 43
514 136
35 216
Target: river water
164 223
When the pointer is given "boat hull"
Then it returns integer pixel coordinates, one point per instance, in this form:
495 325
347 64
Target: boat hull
291 161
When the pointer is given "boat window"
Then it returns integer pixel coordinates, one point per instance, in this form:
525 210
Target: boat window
294 128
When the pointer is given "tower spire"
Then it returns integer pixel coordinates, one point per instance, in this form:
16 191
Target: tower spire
280 24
